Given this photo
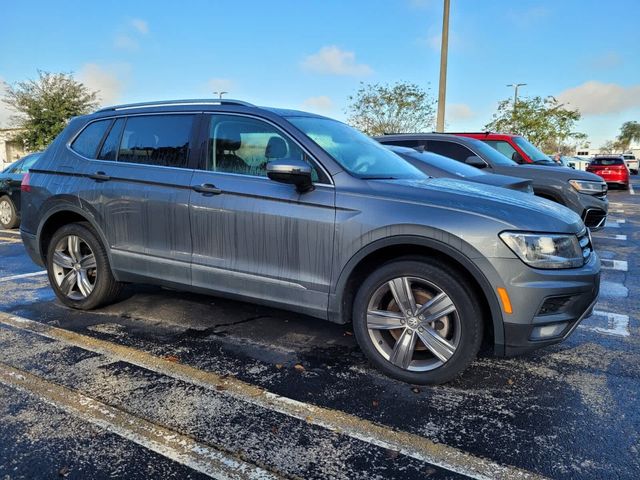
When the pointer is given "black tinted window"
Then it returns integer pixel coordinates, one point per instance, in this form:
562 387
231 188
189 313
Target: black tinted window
88 141
109 150
449 149
156 140
607 161
403 143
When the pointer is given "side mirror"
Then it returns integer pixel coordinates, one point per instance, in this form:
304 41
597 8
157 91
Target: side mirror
516 157
475 161
292 172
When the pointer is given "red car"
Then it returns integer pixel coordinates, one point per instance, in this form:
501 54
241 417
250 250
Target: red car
515 147
612 169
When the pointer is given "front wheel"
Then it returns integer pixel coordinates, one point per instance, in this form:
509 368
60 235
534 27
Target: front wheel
78 268
417 321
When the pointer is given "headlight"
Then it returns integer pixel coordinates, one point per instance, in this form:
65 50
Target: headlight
590 188
545 250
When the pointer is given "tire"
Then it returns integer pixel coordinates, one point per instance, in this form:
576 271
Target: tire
8 213
78 268
382 338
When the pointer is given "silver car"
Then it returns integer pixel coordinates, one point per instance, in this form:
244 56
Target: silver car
302 212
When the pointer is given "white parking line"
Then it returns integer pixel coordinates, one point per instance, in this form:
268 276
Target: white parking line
620 265
631 190
609 237
617 325
613 290
168 443
411 445
10 232
15 242
618 211
22 275
616 220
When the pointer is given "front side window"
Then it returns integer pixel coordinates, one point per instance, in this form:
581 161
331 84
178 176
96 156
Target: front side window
358 154
531 150
450 149
244 146
161 140
503 147
87 143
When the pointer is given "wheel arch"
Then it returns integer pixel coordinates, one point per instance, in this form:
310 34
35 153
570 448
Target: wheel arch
366 260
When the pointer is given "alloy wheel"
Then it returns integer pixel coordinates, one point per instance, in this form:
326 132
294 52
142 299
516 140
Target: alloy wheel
413 324
6 212
74 267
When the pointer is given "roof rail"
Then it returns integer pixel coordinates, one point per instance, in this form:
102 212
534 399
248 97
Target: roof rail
164 103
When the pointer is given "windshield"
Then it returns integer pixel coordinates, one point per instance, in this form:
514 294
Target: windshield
491 154
354 151
532 152
443 163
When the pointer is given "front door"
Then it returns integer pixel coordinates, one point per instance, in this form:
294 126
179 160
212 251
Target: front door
255 237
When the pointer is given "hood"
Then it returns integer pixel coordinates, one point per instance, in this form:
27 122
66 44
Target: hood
560 173
515 210
504 181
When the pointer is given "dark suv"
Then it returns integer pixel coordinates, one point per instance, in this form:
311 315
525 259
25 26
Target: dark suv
302 212
582 192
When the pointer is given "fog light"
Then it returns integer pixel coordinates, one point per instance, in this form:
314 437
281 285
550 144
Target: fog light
548 331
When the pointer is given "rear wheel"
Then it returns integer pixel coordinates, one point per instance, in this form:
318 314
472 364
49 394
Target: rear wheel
8 213
78 268
417 322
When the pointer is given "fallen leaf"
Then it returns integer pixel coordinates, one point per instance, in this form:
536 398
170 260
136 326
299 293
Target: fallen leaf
429 471
279 366
299 367
348 333
415 390
392 454
509 381
375 403
309 419
171 358
64 471
274 429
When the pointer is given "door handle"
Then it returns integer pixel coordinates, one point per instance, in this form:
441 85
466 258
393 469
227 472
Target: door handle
207 189
100 177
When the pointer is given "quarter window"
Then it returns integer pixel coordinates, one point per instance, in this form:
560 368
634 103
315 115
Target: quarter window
156 140
86 144
109 150
244 146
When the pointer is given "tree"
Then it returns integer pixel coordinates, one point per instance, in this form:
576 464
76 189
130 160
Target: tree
629 132
403 107
543 121
43 106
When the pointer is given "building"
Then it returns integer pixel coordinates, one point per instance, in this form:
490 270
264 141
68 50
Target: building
592 152
10 150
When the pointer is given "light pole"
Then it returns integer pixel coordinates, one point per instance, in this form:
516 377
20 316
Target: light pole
442 88
220 94
515 93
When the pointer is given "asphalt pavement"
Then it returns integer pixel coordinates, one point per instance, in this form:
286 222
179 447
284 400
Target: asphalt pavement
167 384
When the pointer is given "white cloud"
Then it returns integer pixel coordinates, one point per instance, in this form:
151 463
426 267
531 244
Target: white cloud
595 98
321 104
108 80
332 60
459 111
220 85
141 26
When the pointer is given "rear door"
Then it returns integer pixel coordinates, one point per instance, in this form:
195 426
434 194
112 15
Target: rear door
139 186
255 237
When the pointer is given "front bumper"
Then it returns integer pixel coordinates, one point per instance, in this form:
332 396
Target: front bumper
592 209
546 298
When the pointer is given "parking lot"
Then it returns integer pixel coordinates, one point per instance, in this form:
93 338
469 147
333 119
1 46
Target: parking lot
168 384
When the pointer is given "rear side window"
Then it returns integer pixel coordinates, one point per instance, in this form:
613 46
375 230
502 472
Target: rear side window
87 143
109 150
156 140
449 149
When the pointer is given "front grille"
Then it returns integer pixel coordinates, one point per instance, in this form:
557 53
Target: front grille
594 217
554 305
584 237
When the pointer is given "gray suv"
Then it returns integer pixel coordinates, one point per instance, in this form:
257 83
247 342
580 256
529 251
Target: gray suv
302 212
583 192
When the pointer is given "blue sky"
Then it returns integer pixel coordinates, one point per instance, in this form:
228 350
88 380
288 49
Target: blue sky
313 54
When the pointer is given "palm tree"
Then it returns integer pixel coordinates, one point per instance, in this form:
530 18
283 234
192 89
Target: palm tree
629 132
